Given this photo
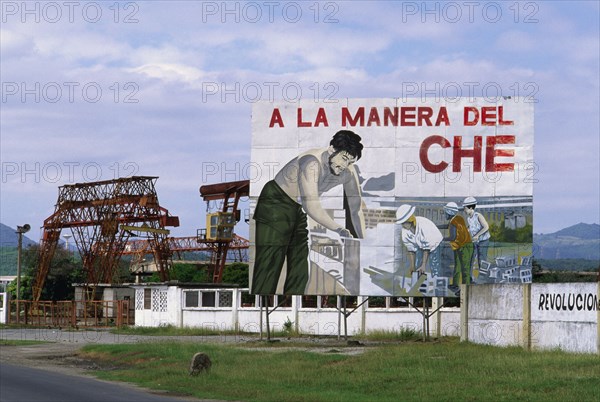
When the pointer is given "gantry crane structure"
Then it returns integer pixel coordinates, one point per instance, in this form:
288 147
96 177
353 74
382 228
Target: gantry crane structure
218 239
102 216
218 234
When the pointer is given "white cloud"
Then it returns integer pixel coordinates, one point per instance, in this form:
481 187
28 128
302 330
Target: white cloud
14 44
170 72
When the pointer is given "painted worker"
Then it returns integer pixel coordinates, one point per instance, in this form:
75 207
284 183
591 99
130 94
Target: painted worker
460 243
285 202
479 230
422 239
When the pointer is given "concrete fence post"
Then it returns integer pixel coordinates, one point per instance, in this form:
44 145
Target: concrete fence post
464 313
296 301
526 325
236 302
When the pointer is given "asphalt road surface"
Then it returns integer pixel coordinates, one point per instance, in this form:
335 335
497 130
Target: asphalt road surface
27 384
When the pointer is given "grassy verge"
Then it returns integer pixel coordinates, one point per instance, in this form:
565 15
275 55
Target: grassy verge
403 335
171 330
446 370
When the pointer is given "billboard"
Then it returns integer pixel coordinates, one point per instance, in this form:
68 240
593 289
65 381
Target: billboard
390 197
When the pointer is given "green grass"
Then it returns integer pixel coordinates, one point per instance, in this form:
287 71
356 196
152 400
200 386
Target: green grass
445 370
404 334
171 330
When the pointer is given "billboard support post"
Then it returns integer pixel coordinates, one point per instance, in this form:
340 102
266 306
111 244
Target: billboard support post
337 306
343 311
261 318
426 314
345 319
265 302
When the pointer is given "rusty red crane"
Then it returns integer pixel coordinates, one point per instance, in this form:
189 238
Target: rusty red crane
218 234
102 216
138 249
218 239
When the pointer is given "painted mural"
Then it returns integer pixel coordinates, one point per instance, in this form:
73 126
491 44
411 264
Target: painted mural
390 197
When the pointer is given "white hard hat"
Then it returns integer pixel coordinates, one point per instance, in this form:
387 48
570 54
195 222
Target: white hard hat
469 201
451 208
404 212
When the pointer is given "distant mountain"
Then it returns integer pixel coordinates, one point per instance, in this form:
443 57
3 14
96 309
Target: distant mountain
581 231
9 237
578 241
8 249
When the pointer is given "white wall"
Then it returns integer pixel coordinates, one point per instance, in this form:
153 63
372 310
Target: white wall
496 314
537 316
3 307
312 320
565 316
540 316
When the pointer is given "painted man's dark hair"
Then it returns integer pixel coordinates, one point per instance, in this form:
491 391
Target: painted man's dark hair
349 141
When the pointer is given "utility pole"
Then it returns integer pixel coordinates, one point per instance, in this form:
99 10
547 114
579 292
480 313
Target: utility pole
20 230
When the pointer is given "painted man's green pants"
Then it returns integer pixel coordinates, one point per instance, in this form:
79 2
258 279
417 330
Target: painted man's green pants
281 233
462 264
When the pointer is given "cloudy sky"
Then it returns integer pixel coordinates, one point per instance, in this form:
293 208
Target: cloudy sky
97 90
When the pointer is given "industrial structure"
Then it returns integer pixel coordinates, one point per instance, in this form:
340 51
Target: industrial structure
113 218
222 214
218 241
139 249
102 216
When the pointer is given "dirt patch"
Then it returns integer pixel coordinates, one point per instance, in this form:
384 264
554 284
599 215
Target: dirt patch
61 357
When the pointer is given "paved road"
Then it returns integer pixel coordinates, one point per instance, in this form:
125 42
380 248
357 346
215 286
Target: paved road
61 379
26 384
84 337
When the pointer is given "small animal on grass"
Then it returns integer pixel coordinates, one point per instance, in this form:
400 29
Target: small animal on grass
200 362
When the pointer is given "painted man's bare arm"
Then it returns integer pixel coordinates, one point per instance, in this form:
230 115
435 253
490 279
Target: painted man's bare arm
309 194
352 190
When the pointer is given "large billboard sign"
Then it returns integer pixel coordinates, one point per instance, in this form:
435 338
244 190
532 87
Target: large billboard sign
390 197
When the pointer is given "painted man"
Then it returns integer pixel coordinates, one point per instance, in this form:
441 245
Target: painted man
285 202
460 243
422 239
479 230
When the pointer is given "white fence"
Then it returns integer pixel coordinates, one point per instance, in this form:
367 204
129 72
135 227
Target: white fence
223 309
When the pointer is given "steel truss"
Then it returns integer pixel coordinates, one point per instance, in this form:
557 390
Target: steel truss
238 248
226 195
102 216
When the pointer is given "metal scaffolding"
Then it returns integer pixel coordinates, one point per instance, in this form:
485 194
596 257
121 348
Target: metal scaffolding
227 196
102 216
138 249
